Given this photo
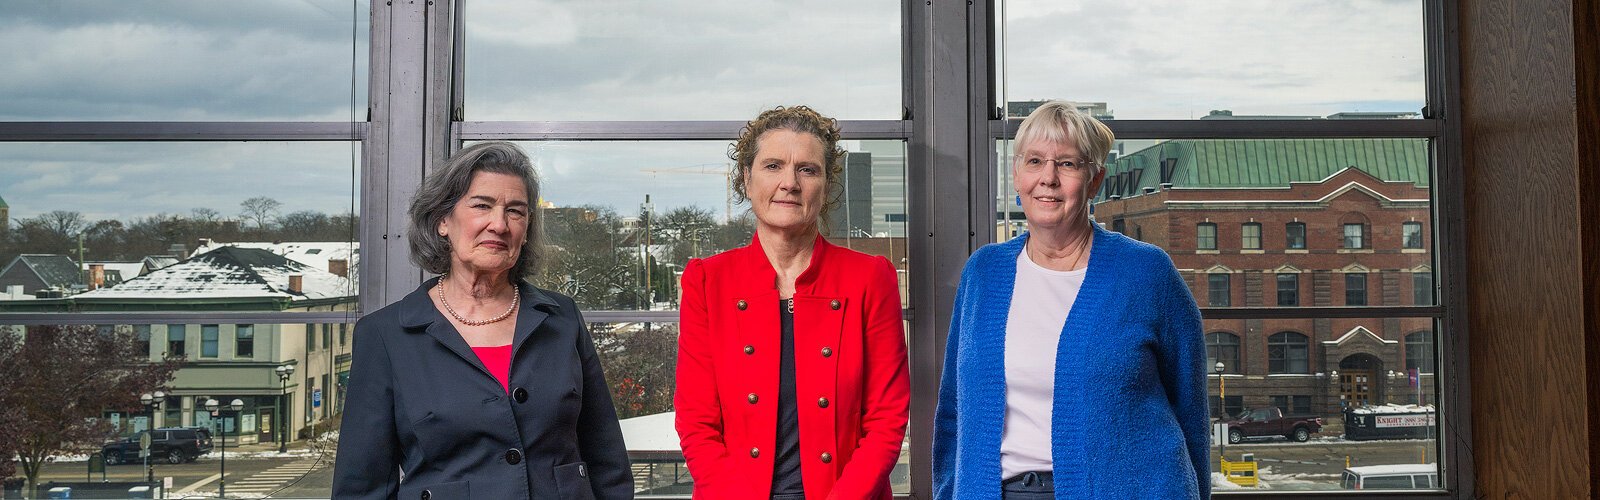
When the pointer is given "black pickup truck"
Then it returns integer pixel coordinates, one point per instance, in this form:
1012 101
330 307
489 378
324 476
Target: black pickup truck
1272 422
175 445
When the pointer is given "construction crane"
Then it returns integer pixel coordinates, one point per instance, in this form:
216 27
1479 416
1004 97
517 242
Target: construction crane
718 169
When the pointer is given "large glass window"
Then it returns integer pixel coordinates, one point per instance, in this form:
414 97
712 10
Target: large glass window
1300 59
706 60
184 60
622 226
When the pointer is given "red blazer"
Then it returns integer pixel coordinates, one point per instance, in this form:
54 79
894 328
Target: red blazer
851 384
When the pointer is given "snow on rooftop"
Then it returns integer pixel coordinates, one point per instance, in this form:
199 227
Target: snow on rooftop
127 269
311 253
1388 409
230 272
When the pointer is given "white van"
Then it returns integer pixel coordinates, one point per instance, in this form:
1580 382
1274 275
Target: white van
1391 477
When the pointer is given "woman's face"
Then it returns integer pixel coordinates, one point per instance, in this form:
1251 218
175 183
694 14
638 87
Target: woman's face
488 225
1055 182
787 180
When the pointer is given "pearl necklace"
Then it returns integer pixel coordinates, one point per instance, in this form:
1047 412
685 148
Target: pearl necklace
516 297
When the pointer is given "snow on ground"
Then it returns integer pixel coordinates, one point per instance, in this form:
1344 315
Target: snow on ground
1273 481
1387 409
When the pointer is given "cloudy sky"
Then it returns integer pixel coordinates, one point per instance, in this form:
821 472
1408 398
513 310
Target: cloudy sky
293 60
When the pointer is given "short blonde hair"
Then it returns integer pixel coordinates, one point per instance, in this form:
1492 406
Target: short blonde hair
1061 121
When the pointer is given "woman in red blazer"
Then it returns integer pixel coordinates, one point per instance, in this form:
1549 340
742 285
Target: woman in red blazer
791 374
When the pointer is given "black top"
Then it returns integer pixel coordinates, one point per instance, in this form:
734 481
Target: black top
786 463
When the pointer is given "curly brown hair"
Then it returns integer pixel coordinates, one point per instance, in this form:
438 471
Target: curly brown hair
799 119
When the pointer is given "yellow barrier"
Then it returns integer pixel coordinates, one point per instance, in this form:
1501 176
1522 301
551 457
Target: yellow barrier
1240 473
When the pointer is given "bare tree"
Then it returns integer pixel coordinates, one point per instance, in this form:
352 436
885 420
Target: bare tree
260 209
60 380
203 214
65 223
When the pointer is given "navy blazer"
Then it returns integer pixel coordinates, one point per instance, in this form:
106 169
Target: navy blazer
425 420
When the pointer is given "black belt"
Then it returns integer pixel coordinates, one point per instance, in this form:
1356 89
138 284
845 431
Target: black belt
1039 477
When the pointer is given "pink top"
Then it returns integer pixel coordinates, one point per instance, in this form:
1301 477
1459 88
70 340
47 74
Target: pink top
498 360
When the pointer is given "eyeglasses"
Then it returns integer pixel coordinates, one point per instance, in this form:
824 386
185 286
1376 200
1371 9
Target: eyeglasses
1066 166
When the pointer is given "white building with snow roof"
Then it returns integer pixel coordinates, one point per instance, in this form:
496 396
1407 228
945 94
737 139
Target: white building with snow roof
228 361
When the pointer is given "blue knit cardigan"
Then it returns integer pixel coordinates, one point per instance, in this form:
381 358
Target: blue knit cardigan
1129 414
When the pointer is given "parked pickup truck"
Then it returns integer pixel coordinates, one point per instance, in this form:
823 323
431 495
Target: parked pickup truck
1272 422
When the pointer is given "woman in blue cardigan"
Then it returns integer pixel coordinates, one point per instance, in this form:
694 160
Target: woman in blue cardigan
1075 365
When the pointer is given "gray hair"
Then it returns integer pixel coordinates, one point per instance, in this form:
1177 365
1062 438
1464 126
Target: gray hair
445 186
1062 122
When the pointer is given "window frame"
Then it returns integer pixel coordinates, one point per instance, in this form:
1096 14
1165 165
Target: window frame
210 341
1350 293
1290 231
1293 289
1245 238
1281 364
1358 241
1200 236
1213 355
244 341
950 126
1409 231
1213 292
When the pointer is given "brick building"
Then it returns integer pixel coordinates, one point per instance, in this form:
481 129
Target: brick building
1285 223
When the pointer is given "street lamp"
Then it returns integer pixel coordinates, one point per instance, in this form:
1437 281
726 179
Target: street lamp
214 407
284 372
151 402
1222 396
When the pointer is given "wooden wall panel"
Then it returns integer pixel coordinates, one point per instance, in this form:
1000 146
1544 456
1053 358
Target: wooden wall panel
1531 377
1586 62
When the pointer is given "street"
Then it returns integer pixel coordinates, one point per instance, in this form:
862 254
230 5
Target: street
1316 464
300 473
308 473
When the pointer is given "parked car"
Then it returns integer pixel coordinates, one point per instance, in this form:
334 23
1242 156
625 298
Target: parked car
1272 422
175 445
1391 477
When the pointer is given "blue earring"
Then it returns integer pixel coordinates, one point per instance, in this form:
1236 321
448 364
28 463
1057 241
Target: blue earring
1019 200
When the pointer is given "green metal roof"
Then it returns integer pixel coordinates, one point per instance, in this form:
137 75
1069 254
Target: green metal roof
3 203
1258 163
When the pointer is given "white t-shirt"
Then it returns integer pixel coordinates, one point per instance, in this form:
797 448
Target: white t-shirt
1039 306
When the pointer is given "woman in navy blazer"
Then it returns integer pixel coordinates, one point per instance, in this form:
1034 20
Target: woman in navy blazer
478 384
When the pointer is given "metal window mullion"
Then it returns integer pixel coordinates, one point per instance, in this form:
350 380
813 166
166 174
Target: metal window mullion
705 130
178 317
1255 129
180 131
394 154
1444 103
